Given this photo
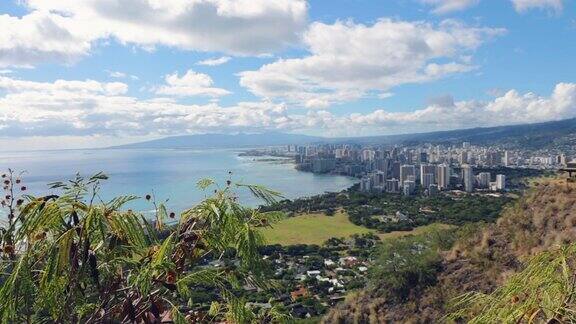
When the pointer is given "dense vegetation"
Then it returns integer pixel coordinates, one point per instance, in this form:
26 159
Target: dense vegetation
517 270
72 257
379 211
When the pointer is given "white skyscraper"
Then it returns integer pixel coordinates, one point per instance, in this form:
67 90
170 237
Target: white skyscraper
443 176
506 158
484 179
468 177
368 155
500 182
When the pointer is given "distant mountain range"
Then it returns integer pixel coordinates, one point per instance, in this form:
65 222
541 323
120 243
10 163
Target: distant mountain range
225 141
527 136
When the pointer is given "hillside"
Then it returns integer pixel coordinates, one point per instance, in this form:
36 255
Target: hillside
560 134
480 261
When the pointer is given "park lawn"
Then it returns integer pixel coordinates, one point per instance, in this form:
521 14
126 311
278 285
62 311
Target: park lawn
314 228
416 231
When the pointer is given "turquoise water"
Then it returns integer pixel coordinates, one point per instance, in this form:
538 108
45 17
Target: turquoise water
169 174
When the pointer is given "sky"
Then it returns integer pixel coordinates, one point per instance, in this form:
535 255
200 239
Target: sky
94 73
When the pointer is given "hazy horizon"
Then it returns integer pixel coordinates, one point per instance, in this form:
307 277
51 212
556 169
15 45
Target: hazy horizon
77 74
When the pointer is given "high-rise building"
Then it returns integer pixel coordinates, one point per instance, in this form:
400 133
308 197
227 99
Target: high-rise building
368 155
494 158
423 157
463 157
320 165
340 153
409 187
378 179
392 186
484 179
443 176
466 145
500 182
427 169
468 177
383 165
366 184
427 180
506 158
406 171
395 170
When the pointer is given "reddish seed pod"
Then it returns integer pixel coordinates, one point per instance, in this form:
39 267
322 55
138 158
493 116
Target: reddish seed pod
8 249
18 180
6 182
19 202
23 188
171 277
148 197
172 215
8 197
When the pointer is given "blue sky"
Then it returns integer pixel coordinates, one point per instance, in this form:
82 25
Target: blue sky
130 70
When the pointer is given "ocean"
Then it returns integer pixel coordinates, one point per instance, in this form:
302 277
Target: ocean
168 174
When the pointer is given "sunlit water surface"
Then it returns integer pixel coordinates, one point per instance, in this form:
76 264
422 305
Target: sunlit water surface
168 174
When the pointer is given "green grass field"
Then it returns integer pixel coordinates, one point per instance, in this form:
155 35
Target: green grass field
316 228
311 229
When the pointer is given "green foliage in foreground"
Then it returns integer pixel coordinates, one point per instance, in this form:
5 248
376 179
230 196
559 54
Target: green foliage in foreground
74 258
544 292
408 263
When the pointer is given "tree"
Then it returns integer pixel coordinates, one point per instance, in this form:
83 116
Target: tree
75 258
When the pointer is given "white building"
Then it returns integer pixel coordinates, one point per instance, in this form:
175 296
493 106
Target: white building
427 169
500 182
484 179
468 177
443 176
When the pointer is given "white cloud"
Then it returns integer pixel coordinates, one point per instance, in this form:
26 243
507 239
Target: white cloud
117 74
525 5
121 75
92 108
190 84
215 61
348 60
441 7
64 31
41 36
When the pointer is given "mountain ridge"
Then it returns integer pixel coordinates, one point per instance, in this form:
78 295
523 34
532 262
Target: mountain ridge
532 136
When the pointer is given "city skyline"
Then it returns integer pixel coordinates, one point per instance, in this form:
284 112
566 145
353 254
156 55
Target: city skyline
93 74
